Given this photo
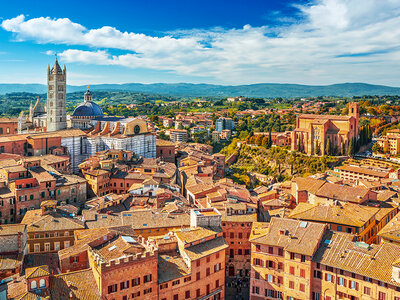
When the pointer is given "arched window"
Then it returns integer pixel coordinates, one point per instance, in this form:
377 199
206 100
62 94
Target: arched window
42 283
33 285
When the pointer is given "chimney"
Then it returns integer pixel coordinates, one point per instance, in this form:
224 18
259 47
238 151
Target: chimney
281 232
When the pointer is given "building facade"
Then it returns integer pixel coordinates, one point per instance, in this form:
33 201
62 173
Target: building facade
313 132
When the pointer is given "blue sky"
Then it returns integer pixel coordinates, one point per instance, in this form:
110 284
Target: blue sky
221 42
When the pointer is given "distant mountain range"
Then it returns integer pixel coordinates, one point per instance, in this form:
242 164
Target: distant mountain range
197 90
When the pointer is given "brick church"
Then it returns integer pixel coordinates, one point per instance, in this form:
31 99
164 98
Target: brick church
313 131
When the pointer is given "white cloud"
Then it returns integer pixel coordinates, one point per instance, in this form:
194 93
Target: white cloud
334 41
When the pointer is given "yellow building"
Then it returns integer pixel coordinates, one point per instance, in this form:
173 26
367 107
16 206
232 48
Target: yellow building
391 142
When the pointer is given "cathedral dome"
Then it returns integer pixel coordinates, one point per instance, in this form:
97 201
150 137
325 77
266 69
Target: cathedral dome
88 109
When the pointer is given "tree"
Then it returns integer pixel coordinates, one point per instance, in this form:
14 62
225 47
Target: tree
269 139
328 148
376 148
259 139
265 141
351 150
342 149
163 136
317 148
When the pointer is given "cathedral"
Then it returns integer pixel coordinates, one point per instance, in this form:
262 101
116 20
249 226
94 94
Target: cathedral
98 132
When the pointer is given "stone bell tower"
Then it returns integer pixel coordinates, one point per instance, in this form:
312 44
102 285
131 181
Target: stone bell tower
56 98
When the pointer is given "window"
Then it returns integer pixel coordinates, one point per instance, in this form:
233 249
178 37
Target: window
302 273
208 272
328 277
303 258
175 282
317 274
112 288
33 285
198 263
36 248
187 294
302 287
316 296
147 291
258 248
339 228
147 278
270 250
42 283
341 281
217 267
280 251
270 278
291 270
198 293
256 290
353 285
381 296
198 276
187 279
47 247
216 283
136 281
124 285
292 255
291 285
163 286
66 244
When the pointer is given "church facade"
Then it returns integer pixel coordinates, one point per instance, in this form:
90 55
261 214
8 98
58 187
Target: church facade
313 131
97 131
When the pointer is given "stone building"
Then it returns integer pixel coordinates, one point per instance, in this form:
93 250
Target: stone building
313 131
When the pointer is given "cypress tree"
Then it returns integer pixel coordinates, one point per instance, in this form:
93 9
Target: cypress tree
351 147
328 148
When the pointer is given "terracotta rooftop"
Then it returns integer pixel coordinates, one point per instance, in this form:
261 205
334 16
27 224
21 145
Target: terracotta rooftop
375 261
119 248
50 222
12 229
206 248
82 284
37 272
292 235
364 170
391 231
190 235
171 267
347 214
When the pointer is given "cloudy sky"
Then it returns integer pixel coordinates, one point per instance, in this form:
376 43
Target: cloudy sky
208 41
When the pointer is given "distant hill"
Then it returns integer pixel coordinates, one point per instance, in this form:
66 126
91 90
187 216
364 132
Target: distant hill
251 90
